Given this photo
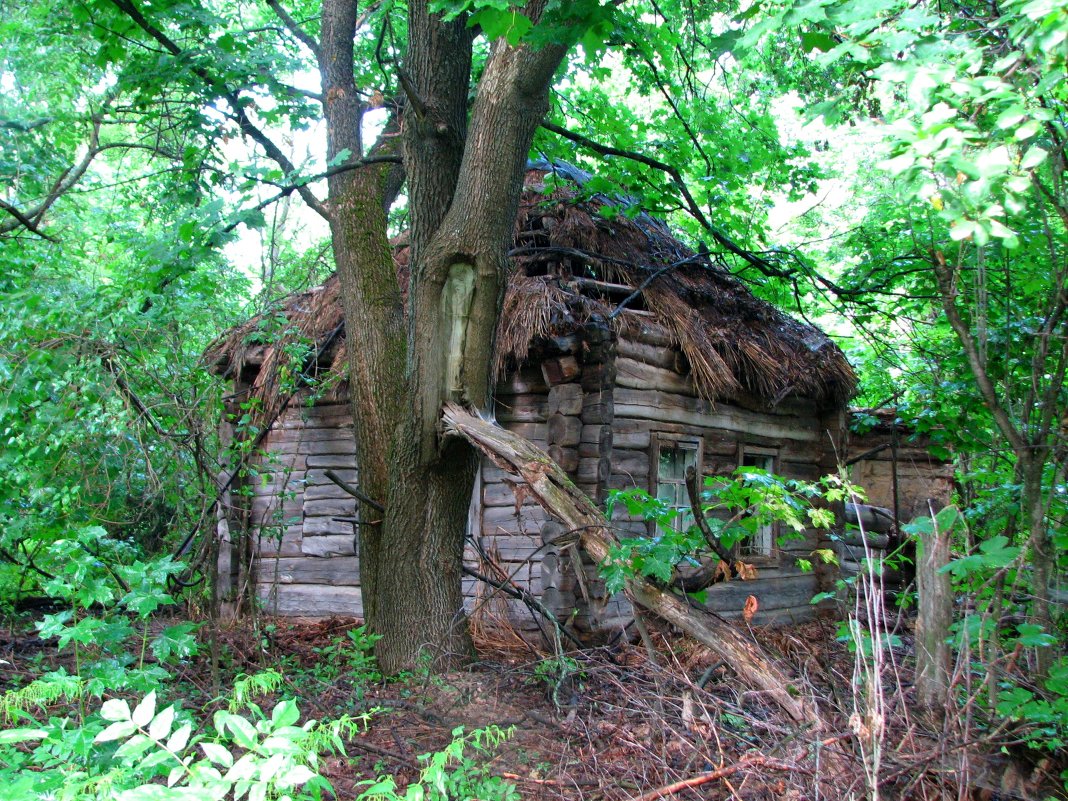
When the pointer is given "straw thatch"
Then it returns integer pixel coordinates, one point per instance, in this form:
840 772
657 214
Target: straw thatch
573 261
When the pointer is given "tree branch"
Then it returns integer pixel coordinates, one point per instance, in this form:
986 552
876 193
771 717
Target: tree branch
233 98
294 28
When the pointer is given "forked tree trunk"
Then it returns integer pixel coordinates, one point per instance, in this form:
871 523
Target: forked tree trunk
559 496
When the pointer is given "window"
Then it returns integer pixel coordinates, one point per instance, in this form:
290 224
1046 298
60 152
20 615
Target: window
674 457
762 542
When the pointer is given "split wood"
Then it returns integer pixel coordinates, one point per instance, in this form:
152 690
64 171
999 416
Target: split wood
556 493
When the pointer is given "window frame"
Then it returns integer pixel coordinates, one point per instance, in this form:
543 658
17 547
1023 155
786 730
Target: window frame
660 440
771 455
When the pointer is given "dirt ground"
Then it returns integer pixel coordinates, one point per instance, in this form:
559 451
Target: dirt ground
618 723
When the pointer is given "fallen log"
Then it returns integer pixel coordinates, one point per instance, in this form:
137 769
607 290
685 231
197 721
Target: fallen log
560 497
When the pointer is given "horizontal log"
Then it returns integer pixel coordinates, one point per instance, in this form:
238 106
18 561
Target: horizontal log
328 545
773 593
521 409
334 445
638 375
290 435
268 543
501 494
648 332
533 431
667 406
272 510
598 407
665 357
325 492
326 526
336 570
522 382
505 517
318 477
316 417
565 399
630 462
598 377
330 507
332 460
310 600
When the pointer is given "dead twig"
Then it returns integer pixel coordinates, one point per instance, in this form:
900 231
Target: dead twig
705 778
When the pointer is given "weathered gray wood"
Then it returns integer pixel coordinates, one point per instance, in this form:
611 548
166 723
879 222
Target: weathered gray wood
933 619
565 399
638 375
667 358
335 570
533 431
333 445
531 517
523 382
305 434
521 409
330 507
324 526
501 494
650 405
597 407
633 463
317 477
310 600
567 458
325 492
332 460
328 545
273 509
563 430
268 544
556 492
649 332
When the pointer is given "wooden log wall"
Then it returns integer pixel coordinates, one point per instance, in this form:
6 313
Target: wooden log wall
598 405
306 557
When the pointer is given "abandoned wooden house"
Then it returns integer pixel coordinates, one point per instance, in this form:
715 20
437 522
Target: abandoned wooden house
625 354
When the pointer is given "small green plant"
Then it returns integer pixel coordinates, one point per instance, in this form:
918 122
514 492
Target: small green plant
735 508
457 771
560 675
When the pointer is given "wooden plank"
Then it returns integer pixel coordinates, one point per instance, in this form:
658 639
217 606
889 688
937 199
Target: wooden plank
324 526
773 593
501 494
310 600
531 431
330 507
289 435
505 517
667 406
521 409
334 460
665 357
325 492
269 544
336 570
317 477
522 382
335 445
631 462
328 545
638 375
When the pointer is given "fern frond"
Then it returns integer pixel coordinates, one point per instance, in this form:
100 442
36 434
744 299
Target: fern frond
40 693
258 684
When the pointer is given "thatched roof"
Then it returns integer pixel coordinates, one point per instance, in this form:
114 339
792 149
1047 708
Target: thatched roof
575 260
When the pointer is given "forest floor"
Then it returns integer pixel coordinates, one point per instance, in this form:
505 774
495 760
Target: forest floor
618 723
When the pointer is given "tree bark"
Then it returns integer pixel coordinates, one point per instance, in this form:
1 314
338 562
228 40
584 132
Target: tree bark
559 496
934 617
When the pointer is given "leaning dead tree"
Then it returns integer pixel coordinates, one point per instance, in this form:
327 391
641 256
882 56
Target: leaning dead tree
551 487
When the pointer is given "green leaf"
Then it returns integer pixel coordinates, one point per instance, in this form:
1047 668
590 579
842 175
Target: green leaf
1034 636
145 710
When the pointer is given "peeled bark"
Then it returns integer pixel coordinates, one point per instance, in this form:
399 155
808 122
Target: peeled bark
559 496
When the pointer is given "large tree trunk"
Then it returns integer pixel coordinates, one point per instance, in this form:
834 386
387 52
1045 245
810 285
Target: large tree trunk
558 495
464 182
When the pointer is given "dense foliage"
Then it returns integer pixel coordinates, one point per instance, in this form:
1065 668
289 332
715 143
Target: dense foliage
151 161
